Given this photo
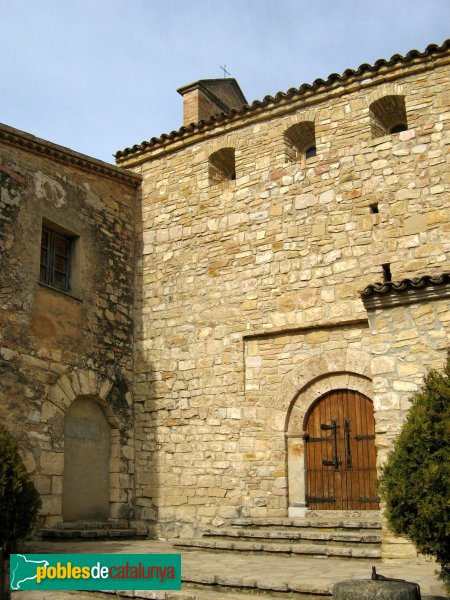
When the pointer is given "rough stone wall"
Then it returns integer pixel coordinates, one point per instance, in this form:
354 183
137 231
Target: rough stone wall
56 346
270 362
406 341
286 246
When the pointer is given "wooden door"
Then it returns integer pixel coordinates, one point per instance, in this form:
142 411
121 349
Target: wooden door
340 453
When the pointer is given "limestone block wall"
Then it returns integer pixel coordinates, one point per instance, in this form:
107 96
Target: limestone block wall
55 346
409 335
284 375
285 247
406 342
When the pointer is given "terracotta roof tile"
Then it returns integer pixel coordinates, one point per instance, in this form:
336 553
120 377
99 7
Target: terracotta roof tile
291 93
418 283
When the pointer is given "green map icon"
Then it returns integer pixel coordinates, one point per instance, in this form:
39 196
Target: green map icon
23 569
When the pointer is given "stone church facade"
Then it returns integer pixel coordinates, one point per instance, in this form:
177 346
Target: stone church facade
198 334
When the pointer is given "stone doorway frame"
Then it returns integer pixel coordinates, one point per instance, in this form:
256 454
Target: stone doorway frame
311 379
85 384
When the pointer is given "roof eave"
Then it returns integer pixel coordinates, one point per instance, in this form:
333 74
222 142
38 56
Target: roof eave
347 78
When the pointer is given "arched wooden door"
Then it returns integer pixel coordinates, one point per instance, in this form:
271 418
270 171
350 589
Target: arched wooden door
340 453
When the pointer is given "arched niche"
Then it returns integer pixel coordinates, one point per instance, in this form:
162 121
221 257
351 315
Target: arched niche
300 141
388 115
87 450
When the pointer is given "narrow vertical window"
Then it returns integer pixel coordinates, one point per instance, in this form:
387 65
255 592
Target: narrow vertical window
56 250
387 276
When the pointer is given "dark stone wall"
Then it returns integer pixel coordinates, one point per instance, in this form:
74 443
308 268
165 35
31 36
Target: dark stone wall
84 335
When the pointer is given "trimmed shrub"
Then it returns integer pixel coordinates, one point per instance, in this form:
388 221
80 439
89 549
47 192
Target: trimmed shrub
19 500
415 482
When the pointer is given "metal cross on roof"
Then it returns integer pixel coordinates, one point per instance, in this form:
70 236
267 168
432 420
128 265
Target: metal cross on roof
225 72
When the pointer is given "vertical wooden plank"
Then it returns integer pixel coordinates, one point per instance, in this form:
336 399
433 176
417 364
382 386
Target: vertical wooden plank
363 448
360 431
309 456
324 452
345 467
315 483
367 444
330 486
340 473
319 453
333 475
353 474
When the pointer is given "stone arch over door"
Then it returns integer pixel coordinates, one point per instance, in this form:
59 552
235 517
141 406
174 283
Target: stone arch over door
310 380
340 454
87 450
83 384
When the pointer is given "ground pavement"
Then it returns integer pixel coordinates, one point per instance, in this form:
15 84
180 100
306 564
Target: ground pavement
233 572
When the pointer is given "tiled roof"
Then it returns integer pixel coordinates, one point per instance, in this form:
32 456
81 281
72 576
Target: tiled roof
292 93
418 283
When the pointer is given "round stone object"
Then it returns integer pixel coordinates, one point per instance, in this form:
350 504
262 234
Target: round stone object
368 589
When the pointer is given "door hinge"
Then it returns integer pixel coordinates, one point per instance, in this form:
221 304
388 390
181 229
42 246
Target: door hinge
318 500
331 463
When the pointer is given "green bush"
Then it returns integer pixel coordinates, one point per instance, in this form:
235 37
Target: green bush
19 500
415 482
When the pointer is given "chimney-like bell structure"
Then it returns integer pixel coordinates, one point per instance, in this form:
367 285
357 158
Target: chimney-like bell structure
207 97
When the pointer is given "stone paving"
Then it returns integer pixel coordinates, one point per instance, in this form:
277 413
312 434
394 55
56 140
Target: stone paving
235 571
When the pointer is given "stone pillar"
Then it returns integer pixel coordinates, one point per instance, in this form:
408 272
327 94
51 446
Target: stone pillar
296 474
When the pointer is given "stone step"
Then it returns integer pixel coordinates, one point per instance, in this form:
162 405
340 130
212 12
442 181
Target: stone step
307 523
301 592
237 589
217 592
315 535
196 591
319 550
119 524
92 530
